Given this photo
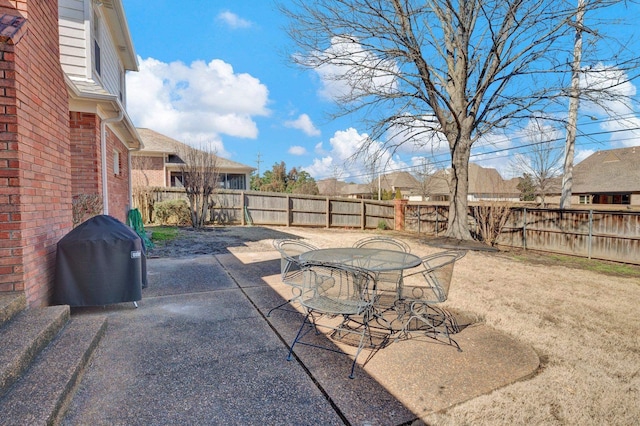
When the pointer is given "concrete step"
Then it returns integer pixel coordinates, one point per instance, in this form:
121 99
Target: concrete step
24 337
42 394
11 304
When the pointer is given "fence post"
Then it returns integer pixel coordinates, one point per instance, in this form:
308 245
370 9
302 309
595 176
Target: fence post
399 206
436 208
419 219
363 215
328 210
289 212
590 240
524 228
243 209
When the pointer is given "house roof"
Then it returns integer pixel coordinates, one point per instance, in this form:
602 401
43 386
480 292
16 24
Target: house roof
395 180
356 189
158 143
615 170
481 181
331 186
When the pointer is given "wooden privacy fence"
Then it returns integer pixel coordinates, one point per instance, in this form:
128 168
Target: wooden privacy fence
275 208
597 234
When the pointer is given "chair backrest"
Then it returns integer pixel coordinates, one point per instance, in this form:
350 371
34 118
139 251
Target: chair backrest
431 283
336 289
383 243
290 251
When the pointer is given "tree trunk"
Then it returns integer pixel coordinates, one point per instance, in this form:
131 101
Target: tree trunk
458 226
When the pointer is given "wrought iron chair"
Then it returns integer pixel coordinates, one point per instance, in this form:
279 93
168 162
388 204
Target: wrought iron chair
389 281
290 271
423 289
383 243
350 295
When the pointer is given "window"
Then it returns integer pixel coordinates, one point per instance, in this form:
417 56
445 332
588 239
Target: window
96 42
585 199
612 199
176 180
116 163
233 181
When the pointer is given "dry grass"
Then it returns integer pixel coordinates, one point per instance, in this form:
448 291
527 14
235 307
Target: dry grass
583 324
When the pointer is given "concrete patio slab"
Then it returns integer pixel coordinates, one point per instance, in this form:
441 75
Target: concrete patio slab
200 350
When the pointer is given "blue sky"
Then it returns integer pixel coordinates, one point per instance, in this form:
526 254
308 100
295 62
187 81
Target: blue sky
215 73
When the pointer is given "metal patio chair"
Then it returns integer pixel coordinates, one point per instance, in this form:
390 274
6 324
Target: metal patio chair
290 271
423 289
351 295
387 243
387 282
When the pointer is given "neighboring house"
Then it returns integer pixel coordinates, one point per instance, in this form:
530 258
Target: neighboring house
484 184
397 181
159 164
390 182
65 131
607 177
357 190
331 187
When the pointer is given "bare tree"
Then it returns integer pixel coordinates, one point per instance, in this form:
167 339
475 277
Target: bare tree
542 161
416 69
141 190
425 174
200 176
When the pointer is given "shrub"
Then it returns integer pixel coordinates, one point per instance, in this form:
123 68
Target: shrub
85 206
172 212
382 225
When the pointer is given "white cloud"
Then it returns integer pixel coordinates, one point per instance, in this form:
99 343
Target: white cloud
612 94
349 154
346 68
233 20
196 103
304 123
319 149
297 150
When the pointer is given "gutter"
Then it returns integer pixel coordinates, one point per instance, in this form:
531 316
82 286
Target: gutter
103 148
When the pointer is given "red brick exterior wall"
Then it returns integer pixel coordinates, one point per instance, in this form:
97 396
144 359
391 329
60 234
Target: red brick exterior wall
86 163
118 183
148 171
85 154
35 195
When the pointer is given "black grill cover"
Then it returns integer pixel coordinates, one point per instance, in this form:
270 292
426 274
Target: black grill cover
100 262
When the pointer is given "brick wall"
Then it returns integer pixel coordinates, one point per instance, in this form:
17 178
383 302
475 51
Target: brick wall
35 195
10 224
148 171
85 153
118 183
86 163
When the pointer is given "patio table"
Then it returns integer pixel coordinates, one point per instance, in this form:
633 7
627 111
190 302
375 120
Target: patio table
376 261
371 259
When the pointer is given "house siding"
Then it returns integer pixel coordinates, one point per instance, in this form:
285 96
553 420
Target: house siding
76 45
111 68
75 50
35 200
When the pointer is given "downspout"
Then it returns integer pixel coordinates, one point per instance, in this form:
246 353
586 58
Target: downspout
130 179
103 148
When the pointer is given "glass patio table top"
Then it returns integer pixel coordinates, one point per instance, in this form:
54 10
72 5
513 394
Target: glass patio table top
371 259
